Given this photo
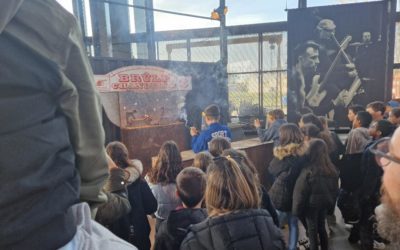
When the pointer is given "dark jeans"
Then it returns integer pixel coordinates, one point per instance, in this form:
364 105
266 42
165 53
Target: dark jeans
315 220
364 230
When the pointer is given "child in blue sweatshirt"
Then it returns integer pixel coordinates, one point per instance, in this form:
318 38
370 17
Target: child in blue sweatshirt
200 140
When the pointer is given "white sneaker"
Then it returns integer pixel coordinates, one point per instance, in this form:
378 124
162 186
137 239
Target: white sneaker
379 245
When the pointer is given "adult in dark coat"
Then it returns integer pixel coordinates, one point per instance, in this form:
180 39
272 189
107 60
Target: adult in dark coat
368 192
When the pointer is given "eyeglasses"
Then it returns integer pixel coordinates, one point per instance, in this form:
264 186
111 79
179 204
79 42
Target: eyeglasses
381 151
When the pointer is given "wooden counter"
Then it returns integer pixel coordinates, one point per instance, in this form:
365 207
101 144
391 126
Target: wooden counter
259 153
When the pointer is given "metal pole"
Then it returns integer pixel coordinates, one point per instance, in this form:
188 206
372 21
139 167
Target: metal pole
151 46
223 38
79 12
302 4
224 61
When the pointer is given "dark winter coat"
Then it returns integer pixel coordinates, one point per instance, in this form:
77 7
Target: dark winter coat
117 204
134 227
285 168
350 172
267 204
371 175
314 191
173 230
339 149
242 230
51 138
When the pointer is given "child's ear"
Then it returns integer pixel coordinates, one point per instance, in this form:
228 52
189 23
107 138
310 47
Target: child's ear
176 193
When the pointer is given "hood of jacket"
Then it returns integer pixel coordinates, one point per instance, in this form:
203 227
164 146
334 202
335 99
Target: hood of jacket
135 170
7 12
179 220
292 149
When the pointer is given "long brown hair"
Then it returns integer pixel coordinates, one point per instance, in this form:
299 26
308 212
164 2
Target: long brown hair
318 158
118 153
230 187
168 164
290 133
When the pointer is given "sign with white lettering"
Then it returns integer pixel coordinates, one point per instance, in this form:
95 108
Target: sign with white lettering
142 79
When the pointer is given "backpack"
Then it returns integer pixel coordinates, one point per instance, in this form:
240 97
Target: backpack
280 194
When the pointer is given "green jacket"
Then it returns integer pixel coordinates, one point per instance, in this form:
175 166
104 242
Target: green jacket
51 136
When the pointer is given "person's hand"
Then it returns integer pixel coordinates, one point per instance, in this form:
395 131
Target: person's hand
257 123
193 131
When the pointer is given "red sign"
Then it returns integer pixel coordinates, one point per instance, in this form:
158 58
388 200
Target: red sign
142 79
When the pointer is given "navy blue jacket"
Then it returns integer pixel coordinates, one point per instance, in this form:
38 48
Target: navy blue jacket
200 142
271 133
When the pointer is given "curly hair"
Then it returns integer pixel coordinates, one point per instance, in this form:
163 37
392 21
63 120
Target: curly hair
168 164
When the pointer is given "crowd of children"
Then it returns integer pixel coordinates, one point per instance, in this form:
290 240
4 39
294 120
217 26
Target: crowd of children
56 176
220 203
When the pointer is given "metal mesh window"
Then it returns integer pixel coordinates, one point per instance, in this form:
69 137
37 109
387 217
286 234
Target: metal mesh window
172 50
205 50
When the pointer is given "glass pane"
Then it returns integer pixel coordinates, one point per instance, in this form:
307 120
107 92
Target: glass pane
274 51
243 94
275 91
205 50
396 84
172 50
397 44
67 4
242 53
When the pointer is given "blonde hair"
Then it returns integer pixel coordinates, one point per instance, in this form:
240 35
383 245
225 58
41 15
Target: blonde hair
230 187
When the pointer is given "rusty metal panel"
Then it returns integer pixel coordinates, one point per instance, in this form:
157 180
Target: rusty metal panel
143 143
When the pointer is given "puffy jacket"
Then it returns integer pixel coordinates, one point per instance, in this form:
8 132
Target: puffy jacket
242 230
51 138
314 191
117 204
285 167
173 230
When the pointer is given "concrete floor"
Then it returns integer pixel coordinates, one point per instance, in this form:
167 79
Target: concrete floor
338 238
